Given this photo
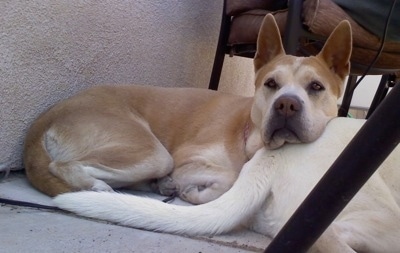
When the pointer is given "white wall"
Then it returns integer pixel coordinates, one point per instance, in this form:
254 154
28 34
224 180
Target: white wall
364 93
50 49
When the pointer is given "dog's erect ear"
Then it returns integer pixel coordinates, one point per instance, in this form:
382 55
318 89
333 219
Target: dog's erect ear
337 49
269 42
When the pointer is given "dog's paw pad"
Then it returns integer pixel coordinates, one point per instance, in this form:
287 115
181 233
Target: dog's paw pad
167 186
192 194
200 194
100 186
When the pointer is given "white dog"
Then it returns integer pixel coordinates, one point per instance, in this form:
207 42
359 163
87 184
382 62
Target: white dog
269 189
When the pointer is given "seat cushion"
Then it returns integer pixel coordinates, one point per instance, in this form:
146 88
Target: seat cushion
372 16
321 17
234 7
245 26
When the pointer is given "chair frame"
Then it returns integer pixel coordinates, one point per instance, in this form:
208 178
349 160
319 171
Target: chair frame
294 31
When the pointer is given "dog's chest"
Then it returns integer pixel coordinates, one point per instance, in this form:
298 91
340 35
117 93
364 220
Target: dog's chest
289 188
293 177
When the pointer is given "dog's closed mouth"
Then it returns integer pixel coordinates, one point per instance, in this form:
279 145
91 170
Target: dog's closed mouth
285 133
280 136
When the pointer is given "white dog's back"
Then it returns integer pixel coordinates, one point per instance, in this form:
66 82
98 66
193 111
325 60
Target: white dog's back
370 222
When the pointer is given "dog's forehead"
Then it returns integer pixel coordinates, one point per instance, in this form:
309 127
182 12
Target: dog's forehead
290 69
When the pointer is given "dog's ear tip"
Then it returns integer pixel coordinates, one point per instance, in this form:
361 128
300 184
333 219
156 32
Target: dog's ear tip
269 42
337 49
270 17
344 22
344 26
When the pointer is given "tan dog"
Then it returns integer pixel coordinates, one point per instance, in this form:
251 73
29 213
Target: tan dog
129 136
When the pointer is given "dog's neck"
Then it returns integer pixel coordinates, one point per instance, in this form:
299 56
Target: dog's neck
246 133
252 139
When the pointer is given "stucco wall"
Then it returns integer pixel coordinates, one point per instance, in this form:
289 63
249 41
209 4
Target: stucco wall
50 49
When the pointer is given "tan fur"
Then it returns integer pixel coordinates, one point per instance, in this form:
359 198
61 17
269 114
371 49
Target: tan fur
190 141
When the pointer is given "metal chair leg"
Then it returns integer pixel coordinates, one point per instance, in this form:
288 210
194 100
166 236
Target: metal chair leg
348 95
293 28
221 50
386 82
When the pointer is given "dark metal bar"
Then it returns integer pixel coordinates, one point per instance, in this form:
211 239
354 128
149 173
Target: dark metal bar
348 95
382 90
293 28
221 50
360 159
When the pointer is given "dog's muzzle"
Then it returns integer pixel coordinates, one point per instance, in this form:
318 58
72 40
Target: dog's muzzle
285 123
287 106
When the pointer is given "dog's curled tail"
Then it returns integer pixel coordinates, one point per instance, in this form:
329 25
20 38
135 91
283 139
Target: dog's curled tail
221 215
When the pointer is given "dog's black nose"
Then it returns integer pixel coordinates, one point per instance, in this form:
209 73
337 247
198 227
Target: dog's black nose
287 106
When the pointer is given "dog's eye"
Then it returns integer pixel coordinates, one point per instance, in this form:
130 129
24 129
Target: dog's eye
271 83
316 86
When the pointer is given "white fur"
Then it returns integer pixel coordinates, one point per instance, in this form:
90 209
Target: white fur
270 187
239 203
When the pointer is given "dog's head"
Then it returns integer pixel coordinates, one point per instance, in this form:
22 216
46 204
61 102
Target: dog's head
295 97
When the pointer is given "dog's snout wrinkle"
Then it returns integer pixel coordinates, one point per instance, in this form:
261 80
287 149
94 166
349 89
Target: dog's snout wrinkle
287 105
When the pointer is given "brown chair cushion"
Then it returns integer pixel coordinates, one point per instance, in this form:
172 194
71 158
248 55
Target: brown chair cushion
234 7
245 26
321 17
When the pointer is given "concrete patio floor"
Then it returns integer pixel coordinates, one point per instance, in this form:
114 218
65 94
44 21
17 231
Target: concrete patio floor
26 229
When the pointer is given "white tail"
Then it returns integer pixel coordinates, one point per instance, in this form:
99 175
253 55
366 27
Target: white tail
221 215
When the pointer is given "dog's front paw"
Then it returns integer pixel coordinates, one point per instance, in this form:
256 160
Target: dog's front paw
188 192
167 186
202 193
193 194
101 186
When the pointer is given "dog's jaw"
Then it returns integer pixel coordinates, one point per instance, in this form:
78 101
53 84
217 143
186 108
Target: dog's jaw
280 137
294 131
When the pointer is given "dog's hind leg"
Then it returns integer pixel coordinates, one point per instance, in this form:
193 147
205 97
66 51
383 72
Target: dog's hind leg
113 153
113 167
78 176
128 157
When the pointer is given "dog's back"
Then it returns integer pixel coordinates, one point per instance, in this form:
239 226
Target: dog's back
181 108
